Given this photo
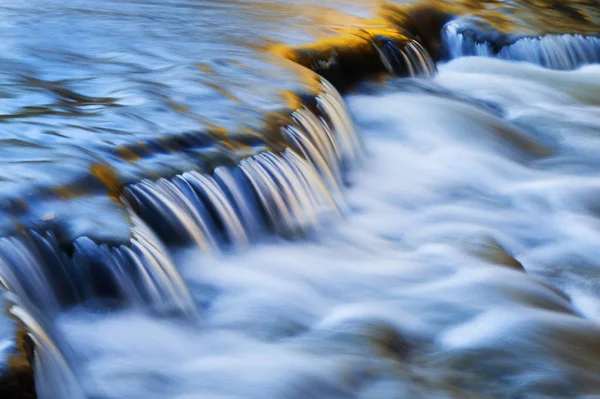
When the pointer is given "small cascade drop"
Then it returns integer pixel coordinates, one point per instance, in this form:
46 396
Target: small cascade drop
54 378
149 275
37 271
554 51
314 138
241 199
293 195
140 274
345 137
290 192
459 44
196 208
285 192
41 274
412 60
422 62
179 208
208 189
562 52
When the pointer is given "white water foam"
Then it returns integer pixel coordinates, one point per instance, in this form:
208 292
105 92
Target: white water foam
418 292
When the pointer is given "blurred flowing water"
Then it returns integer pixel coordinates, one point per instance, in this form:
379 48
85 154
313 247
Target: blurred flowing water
428 236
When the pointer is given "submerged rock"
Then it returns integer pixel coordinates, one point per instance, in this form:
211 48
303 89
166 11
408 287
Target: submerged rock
492 251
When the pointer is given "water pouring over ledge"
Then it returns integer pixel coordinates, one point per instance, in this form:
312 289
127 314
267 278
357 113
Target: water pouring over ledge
204 210
550 51
426 288
283 198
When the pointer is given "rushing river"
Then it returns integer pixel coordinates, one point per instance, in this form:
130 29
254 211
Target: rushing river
188 214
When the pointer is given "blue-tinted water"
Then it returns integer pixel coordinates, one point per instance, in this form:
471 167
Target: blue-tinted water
187 214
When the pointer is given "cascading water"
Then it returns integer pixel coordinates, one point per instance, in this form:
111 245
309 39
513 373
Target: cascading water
40 273
411 60
225 209
290 191
294 193
457 261
155 281
459 44
34 269
53 375
550 51
417 293
555 52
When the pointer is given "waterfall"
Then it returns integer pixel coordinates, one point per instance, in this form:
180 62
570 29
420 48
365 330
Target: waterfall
550 51
35 270
53 376
423 64
154 280
178 207
554 51
459 44
412 60
333 106
43 276
290 191
287 193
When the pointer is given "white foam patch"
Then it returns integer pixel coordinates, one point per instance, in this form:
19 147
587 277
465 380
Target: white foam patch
409 277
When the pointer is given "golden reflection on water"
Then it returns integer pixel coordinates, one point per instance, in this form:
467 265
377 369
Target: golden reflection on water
526 16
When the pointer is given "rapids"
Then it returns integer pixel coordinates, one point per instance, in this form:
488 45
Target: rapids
250 200
465 266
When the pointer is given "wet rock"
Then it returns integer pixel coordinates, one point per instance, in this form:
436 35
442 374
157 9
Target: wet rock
419 22
390 342
348 59
353 331
491 251
538 353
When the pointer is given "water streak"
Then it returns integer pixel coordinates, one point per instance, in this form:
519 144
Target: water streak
54 378
292 194
156 278
411 60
